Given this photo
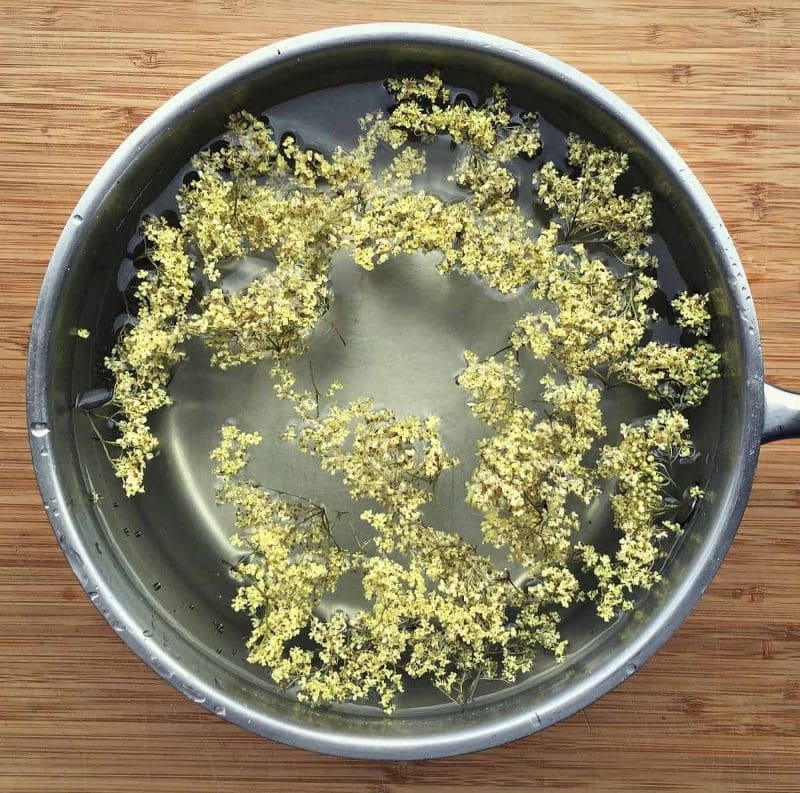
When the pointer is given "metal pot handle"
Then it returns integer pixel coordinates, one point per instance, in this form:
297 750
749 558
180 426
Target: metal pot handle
781 414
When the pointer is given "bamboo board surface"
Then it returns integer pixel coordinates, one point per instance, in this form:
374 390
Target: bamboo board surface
718 709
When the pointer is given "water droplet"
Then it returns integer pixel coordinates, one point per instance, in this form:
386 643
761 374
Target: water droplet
56 513
630 669
157 585
93 595
193 694
167 674
219 710
77 219
73 556
43 452
39 429
118 626
147 633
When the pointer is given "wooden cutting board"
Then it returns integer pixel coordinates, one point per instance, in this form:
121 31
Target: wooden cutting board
718 709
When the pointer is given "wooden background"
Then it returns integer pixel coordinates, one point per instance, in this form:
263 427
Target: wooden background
717 710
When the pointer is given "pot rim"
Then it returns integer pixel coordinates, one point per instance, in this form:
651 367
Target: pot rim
666 618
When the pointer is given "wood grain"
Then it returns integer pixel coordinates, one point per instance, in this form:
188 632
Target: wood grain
718 709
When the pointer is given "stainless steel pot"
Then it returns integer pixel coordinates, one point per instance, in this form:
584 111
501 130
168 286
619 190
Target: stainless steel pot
168 627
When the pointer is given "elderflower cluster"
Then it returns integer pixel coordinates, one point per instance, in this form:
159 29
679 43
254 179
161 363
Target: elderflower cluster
588 207
424 109
692 312
600 317
640 464
290 559
439 609
529 468
144 358
680 375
